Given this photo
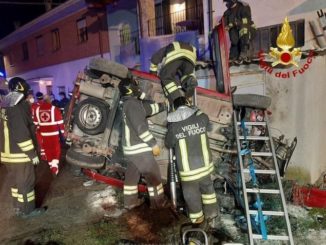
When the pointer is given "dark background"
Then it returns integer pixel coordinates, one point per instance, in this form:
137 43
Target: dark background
20 11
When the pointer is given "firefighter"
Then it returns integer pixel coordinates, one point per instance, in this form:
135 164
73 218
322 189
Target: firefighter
176 59
17 151
187 135
139 147
241 29
49 120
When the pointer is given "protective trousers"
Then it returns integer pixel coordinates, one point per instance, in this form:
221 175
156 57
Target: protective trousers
52 149
235 48
171 85
40 148
200 198
143 164
21 181
240 42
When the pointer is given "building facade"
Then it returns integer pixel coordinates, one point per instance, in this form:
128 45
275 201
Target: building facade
49 51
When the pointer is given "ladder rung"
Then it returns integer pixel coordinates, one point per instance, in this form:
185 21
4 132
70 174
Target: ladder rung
254 137
261 154
264 191
271 213
261 171
253 123
271 237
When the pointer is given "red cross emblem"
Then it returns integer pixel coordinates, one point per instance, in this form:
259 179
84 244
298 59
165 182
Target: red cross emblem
45 116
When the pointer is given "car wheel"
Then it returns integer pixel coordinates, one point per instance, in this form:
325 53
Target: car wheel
109 67
91 116
78 158
252 100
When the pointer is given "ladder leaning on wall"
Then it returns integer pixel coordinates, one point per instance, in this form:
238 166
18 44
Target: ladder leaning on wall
257 217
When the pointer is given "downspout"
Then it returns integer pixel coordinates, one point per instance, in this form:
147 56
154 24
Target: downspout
140 21
210 15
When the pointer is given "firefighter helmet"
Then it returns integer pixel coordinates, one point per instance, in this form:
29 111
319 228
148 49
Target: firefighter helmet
230 3
180 101
129 87
18 84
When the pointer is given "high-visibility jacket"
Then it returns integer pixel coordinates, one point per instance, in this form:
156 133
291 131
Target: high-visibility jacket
187 134
136 137
49 119
16 144
172 52
34 107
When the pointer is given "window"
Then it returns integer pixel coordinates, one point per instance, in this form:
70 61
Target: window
25 51
39 45
82 30
266 36
55 40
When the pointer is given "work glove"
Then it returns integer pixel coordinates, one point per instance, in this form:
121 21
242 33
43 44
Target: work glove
35 160
156 150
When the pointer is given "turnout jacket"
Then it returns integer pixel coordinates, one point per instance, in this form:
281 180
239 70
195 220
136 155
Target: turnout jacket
174 51
187 134
239 17
136 137
16 132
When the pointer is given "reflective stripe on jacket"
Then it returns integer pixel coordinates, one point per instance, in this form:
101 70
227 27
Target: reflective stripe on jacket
49 119
190 142
16 145
172 52
136 137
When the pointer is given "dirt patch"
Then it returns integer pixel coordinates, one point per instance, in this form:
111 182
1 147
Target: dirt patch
150 226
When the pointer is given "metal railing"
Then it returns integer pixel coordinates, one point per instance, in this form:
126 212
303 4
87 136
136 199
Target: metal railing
189 19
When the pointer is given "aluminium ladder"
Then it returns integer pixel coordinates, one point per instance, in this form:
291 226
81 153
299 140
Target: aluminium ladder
242 140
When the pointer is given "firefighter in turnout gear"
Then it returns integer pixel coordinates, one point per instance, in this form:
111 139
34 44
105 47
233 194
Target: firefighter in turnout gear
176 59
139 146
17 151
49 120
241 29
187 134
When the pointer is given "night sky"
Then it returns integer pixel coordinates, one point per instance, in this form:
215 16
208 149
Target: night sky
9 13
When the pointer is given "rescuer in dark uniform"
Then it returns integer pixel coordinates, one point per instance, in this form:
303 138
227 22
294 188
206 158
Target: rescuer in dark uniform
17 151
176 59
241 29
187 134
140 147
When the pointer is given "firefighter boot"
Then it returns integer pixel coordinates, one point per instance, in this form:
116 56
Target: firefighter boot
36 212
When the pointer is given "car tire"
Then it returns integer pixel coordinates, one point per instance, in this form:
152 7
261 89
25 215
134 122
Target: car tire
251 100
109 67
83 160
91 116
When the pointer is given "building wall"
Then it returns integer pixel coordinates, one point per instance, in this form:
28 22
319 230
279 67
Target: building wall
62 74
123 13
70 49
295 99
297 107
